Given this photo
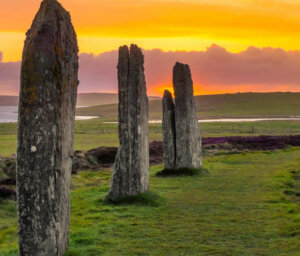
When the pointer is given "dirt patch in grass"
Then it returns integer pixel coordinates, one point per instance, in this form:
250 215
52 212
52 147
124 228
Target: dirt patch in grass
148 199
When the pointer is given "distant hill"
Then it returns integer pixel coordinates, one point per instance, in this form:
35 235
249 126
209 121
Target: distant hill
93 99
99 99
240 105
9 100
83 99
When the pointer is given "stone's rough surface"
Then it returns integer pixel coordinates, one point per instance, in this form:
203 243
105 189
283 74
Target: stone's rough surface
169 133
181 131
131 169
188 138
49 80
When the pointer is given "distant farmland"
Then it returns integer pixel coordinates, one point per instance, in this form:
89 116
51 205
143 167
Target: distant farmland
83 99
241 105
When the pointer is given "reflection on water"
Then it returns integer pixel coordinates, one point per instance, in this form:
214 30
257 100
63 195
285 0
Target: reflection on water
85 117
232 120
10 115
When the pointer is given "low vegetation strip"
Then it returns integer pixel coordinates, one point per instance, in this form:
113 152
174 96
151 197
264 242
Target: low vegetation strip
181 172
94 133
104 157
255 142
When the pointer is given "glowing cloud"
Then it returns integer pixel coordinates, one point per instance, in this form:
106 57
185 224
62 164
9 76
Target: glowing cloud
214 70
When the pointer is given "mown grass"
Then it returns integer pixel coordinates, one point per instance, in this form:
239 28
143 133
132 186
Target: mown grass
94 133
241 208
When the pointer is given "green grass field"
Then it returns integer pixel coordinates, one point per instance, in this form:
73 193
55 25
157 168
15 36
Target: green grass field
246 205
94 133
218 106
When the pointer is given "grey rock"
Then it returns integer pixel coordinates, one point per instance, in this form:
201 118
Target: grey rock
188 137
131 168
49 80
169 132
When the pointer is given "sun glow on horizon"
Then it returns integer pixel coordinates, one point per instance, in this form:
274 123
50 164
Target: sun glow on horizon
171 25
198 90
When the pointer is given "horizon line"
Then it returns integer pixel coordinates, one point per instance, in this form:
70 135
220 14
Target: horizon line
225 93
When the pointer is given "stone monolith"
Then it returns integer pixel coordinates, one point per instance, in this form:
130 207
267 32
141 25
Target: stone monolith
169 132
49 80
131 169
188 138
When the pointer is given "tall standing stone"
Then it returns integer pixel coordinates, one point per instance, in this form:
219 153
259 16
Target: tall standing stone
188 138
169 132
49 80
131 169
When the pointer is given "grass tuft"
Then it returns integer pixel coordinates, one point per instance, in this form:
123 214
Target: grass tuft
181 172
147 199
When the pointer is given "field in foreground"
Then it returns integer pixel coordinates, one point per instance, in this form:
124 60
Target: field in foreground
247 205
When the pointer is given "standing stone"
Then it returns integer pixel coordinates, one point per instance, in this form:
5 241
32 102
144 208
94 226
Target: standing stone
131 169
49 80
188 138
169 133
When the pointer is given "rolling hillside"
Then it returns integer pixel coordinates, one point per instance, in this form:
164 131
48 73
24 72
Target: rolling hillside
221 106
208 106
99 99
84 99
9 100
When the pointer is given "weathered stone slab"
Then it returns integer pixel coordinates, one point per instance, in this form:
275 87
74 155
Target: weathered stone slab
188 138
49 80
169 132
131 169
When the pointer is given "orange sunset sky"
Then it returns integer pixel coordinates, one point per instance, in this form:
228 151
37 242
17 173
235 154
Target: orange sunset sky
215 35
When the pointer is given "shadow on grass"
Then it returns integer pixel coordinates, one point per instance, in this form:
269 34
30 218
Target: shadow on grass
146 199
181 172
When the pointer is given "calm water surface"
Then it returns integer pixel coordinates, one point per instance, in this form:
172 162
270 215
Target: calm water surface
232 120
10 115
